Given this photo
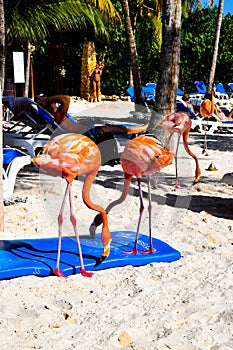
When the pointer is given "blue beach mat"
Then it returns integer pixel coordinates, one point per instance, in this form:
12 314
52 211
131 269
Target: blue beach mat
38 256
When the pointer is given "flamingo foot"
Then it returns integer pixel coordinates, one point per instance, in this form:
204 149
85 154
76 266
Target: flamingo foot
149 251
204 152
86 273
177 186
131 252
59 273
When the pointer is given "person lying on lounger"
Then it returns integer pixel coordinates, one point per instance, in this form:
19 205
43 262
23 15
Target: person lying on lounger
185 99
71 126
230 115
208 105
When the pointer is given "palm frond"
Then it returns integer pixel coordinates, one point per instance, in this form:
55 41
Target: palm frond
106 7
39 19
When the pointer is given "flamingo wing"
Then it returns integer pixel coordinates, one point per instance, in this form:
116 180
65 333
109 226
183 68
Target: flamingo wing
69 155
143 156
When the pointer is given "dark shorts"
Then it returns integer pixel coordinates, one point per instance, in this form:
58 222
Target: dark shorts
94 133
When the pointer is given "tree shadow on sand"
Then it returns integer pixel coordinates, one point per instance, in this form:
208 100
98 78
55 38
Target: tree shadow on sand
216 142
216 206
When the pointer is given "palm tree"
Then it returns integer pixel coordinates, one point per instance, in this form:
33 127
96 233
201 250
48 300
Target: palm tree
153 10
24 27
216 44
59 16
133 55
190 5
169 62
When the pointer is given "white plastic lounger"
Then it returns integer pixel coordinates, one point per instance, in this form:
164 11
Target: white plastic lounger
31 126
230 85
212 126
14 160
30 142
220 91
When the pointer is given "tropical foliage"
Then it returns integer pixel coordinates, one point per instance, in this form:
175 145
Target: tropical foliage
197 45
34 21
197 42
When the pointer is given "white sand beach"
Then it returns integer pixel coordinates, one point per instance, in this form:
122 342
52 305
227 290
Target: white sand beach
182 305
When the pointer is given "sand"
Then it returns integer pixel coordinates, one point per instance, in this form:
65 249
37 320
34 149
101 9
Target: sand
183 305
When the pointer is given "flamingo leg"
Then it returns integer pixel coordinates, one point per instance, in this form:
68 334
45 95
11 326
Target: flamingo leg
135 251
74 223
198 170
57 270
151 250
205 141
176 161
156 180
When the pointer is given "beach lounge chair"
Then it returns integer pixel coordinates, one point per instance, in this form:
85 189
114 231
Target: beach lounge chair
151 85
147 92
33 128
231 88
30 128
212 127
220 91
182 107
154 86
201 88
180 92
13 161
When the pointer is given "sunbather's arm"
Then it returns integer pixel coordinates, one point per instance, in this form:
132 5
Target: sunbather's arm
60 112
220 115
230 115
64 101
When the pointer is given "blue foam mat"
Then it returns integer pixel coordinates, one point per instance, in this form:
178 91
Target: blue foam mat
38 256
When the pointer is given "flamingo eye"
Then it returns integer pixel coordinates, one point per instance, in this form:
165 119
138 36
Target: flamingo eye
152 161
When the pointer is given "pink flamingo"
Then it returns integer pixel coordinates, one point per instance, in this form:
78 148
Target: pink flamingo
207 108
142 156
68 156
180 123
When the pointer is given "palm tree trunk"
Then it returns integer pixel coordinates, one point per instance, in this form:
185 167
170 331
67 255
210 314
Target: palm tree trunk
169 63
88 66
133 55
216 44
27 73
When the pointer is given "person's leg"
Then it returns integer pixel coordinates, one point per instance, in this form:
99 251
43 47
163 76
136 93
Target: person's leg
114 129
94 90
98 91
98 131
230 115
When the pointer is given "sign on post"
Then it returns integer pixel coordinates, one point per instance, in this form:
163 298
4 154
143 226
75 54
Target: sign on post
18 63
